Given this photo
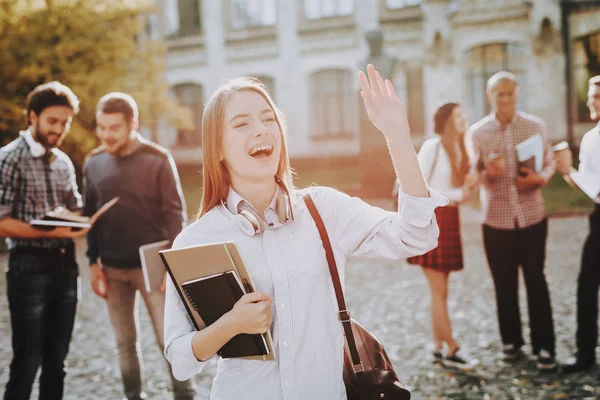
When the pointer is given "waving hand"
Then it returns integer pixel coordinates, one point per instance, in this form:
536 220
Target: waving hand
384 108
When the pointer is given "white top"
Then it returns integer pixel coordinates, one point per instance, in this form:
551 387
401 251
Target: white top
287 262
589 153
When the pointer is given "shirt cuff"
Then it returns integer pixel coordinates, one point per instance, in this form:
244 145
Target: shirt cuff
182 358
418 211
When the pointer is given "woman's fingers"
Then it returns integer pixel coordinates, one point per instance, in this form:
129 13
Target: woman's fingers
373 80
390 89
368 102
380 83
364 83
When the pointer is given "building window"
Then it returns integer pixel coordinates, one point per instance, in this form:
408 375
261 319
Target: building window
253 13
182 18
269 83
319 9
333 104
415 100
394 4
191 95
586 63
483 62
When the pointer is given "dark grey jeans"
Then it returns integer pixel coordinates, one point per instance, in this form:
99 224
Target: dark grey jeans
124 287
42 288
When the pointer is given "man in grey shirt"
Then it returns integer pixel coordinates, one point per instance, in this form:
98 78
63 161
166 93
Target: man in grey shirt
151 209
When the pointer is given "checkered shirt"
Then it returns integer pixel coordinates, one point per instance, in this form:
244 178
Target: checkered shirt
504 206
30 187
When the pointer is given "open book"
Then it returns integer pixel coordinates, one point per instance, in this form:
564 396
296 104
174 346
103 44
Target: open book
55 219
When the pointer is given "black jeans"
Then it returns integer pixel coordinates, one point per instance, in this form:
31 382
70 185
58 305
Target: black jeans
587 291
42 288
505 251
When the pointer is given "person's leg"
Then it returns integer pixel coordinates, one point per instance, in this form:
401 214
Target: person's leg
27 305
587 293
440 322
533 254
155 303
122 305
59 328
501 255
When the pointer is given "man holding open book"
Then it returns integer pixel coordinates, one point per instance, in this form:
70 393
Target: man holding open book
150 209
42 274
515 225
589 276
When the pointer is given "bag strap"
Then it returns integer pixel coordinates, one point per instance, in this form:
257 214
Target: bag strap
435 159
343 313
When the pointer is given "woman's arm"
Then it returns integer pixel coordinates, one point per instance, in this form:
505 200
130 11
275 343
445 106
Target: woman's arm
387 113
187 349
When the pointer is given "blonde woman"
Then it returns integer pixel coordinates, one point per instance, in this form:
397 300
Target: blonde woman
247 170
445 163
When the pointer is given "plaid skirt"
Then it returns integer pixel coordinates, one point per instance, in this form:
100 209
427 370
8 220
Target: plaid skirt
448 255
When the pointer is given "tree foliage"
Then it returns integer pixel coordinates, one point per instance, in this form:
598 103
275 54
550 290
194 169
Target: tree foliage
92 46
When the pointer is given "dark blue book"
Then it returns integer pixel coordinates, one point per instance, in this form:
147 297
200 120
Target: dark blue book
215 295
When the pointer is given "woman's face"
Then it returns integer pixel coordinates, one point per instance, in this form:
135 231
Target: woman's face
459 119
251 138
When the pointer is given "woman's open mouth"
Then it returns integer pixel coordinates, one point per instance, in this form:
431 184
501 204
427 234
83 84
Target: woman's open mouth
261 151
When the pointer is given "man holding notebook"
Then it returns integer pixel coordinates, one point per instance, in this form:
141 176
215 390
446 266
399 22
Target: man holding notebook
515 226
42 274
589 275
151 209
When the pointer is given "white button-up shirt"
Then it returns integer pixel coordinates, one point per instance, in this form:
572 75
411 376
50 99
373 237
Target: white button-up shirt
589 154
287 262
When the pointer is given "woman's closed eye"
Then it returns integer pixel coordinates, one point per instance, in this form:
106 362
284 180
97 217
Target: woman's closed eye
240 125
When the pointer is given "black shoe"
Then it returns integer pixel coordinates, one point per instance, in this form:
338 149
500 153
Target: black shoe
510 352
461 361
437 357
577 364
546 361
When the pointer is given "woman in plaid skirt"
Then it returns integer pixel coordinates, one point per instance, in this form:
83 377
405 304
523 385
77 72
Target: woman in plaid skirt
444 161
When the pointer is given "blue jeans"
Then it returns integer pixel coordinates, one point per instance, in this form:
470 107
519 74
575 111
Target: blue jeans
42 289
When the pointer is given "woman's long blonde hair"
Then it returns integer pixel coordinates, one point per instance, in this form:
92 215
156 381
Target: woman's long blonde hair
216 179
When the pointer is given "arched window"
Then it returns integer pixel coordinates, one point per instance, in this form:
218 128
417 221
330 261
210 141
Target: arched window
483 62
333 104
191 95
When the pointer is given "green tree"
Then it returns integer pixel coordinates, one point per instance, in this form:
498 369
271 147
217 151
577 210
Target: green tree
94 47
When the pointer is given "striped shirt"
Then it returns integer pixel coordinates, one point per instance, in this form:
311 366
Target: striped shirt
589 154
504 206
30 187
287 262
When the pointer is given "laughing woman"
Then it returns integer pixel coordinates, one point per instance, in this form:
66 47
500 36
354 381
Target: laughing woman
247 171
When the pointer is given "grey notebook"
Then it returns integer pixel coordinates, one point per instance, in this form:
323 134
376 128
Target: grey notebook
153 268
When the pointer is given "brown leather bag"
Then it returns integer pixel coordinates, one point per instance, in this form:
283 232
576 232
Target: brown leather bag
368 372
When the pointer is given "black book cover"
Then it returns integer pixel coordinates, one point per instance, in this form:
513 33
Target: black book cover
216 295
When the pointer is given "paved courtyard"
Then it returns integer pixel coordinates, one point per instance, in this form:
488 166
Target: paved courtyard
392 300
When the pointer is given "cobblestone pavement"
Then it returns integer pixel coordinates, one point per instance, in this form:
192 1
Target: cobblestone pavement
392 300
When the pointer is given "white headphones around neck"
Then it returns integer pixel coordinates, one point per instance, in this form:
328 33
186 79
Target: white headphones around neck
252 223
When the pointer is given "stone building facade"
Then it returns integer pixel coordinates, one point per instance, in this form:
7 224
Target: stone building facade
308 52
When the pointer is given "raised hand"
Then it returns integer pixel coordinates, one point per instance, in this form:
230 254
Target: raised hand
384 108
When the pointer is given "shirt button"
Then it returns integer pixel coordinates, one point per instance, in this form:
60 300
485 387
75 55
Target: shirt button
285 344
282 305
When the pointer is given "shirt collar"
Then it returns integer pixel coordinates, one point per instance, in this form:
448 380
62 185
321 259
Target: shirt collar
37 149
497 121
235 202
